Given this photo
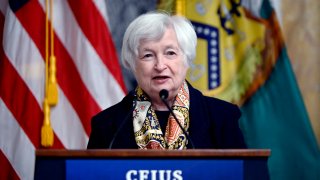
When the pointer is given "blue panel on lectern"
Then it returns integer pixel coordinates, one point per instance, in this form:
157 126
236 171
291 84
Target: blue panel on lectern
154 169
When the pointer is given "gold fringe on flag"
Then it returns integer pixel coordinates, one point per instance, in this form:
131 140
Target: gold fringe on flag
51 87
52 84
181 7
173 6
52 90
46 129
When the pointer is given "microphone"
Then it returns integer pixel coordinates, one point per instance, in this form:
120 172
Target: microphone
164 95
122 124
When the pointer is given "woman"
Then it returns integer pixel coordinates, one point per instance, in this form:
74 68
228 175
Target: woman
158 49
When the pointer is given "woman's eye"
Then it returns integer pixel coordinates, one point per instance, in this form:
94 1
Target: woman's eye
171 53
147 56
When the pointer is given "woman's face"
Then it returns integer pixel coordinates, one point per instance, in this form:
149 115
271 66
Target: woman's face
160 65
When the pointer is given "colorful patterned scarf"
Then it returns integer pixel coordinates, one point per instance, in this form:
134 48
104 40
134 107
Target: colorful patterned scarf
147 130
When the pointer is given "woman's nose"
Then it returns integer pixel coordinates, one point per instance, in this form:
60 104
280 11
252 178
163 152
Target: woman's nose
160 63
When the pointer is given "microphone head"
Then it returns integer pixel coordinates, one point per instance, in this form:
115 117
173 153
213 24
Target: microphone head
164 94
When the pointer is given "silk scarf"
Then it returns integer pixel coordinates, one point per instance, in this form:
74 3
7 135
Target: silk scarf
147 130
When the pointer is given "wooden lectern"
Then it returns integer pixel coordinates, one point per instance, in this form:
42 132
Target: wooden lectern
152 164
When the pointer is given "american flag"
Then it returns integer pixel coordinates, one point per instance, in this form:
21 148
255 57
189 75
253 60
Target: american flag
88 75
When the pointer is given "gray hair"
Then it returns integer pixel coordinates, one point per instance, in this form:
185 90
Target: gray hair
152 26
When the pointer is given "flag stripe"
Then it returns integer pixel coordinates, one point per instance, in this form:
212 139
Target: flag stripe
7 171
19 150
102 8
23 114
86 83
97 32
67 125
32 72
72 86
87 61
27 82
31 69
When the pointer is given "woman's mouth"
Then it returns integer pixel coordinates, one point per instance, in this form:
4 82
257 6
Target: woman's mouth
160 79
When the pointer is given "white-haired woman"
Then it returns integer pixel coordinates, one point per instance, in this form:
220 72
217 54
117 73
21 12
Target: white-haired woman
158 48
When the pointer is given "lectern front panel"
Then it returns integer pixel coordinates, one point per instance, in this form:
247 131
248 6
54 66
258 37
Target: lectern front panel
153 165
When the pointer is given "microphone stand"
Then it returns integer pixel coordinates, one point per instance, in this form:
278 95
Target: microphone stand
164 95
121 125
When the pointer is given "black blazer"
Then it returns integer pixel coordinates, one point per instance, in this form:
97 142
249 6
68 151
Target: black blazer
213 124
